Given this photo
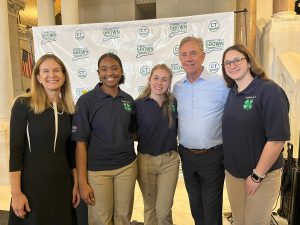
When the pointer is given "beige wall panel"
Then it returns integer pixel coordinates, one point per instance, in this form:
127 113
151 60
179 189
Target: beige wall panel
125 11
224 6
195 7
13 30
17 86
93 14
165 9
123 1
283 5
15 55
264 9
94 2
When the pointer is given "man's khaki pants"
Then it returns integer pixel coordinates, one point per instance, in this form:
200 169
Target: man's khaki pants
114 194
252 209
157 177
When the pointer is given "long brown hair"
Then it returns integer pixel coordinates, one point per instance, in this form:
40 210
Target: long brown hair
38 100
167 105
255 67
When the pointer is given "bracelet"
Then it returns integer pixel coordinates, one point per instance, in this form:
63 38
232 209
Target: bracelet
260 176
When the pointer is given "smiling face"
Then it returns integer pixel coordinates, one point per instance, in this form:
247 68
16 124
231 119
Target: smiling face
109 72
236 66
51 76
159 81
191 57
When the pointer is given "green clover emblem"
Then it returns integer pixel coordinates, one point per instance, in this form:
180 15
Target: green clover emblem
248 104
127 106
172 107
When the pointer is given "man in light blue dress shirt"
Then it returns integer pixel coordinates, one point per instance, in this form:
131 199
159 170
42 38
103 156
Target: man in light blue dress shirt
201 96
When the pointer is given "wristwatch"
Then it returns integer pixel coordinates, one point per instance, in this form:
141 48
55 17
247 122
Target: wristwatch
256 177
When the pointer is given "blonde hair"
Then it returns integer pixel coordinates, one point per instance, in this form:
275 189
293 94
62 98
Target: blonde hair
167 105
38 100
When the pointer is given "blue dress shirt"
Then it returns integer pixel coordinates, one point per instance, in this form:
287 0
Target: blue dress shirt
200 109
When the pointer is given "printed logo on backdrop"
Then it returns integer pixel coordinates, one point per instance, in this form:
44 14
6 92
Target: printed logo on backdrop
48 36
80 53
145 71
177 69
81 91
79 35
111 33
143 31
214 25
144 50
112 51
141 89
214 67
177 28
214 45
176 50
82 73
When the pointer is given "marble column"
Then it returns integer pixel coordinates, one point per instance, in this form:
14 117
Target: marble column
6 87
69 12
243 37
283 5
46 12
14 6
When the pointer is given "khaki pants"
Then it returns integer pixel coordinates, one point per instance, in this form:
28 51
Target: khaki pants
157 177
114 194
256 209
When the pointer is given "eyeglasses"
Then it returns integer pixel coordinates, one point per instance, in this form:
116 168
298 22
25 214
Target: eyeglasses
235 61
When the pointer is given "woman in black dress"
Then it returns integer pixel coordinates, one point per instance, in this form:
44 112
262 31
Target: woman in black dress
41 152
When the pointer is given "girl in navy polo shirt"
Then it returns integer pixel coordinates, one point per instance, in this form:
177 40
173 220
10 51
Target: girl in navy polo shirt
105 157
158 160
255 128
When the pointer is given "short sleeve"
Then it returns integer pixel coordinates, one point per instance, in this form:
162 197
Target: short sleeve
275 114
80 127
18 143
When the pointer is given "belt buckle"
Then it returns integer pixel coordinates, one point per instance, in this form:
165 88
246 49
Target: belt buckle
199 152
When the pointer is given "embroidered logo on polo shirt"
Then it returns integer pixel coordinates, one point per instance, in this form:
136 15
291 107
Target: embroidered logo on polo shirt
248 103
74 129
127 106
172 107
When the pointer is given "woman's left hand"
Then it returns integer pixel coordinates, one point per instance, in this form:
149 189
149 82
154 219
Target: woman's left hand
75 196
251 186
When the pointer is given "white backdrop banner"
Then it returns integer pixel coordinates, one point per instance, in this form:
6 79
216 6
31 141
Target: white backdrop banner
140 45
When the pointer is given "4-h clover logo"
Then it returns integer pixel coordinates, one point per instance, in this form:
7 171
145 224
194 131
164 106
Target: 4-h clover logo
172 107
127 106
248 104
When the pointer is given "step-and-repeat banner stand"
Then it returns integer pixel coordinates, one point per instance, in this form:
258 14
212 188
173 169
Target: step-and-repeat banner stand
140 45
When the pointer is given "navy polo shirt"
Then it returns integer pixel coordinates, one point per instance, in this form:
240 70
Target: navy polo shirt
251 118
106 124
155 136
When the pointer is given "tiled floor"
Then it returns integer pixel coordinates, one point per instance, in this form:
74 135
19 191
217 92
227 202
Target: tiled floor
181 210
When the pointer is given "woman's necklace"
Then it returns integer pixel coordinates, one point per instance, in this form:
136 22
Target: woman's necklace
59 113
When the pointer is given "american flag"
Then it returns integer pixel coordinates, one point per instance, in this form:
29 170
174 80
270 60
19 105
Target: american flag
27 63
